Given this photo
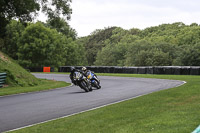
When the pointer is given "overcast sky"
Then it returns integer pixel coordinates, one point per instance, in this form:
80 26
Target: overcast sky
89 15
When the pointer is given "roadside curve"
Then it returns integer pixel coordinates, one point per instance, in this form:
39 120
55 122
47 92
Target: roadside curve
28 109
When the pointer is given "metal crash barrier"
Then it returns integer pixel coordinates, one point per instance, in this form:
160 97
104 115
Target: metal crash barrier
2 79
169 70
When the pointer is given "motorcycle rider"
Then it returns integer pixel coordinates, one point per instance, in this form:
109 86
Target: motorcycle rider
73 70
84 69
72 73
85 72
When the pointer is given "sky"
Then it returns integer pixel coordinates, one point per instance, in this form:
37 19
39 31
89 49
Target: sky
89 15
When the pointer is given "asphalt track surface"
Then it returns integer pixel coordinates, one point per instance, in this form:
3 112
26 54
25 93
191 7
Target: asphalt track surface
21 110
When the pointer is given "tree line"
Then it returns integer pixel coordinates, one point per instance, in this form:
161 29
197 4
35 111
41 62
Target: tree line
39 44
56 44
174 44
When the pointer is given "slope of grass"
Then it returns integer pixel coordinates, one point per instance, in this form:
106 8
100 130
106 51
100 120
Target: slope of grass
16 75
174 110
43 85
20 81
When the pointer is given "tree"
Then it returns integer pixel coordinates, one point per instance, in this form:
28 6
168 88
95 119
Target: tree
193 24
62 26
54 8
13 32
21 9
153 57
105 57
144 53
40 46
95 42
134 49
189 35
26 10
190 55
113 53
166 44
74 54
172 49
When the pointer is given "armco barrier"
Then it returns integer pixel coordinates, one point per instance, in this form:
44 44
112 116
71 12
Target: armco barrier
40 69
185 70
142 70
170 70
195 71
2 79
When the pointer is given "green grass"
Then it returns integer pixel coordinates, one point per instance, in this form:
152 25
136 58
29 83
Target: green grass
174 110
16 75
43 85
20 81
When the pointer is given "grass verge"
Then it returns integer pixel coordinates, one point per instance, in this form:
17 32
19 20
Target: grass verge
174 110
43 85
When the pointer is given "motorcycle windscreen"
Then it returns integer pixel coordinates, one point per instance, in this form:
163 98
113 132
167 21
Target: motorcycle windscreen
77 75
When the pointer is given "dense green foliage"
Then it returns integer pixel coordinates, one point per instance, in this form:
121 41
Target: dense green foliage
21 9
26 10
42 44
39 44
62 26
94 43
13 33
163 45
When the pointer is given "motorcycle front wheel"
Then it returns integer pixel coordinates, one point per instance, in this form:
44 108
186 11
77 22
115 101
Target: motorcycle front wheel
96 84
84 86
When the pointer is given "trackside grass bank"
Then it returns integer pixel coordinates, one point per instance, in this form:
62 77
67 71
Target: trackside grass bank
174 110
43 85
18 80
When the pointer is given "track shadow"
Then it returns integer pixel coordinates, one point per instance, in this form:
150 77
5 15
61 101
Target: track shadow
78 92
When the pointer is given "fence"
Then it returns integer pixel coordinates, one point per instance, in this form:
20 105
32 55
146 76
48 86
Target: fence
2 79
170 70
39 69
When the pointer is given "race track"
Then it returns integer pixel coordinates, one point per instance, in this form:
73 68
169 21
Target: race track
26 109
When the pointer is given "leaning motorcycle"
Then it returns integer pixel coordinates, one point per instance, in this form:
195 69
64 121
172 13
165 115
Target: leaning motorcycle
94 80
82 81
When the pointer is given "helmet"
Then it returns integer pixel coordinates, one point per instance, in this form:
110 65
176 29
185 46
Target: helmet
72 68
84 68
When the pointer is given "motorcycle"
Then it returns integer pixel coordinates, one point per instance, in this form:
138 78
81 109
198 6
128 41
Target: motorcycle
94 80
82 81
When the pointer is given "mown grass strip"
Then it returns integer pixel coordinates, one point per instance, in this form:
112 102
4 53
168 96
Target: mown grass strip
44 85
174 110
